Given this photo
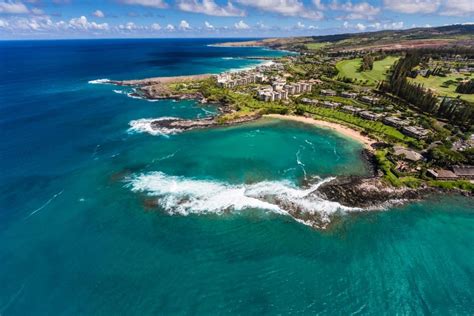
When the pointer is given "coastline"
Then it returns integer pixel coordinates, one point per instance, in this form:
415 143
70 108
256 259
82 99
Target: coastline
341 129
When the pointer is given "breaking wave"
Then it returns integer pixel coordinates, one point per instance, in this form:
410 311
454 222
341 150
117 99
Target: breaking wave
145 126
100 81
184 196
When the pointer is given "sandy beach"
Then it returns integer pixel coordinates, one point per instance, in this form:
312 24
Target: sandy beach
344 130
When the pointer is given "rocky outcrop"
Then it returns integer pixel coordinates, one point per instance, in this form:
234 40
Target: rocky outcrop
178 124
369 193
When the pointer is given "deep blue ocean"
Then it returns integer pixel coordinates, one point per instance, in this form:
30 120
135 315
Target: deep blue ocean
100 216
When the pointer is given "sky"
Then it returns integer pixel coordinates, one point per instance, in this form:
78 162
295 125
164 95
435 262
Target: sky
44 19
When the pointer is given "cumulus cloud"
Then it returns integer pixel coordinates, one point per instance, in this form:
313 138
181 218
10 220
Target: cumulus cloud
262 26
358 11
319 5
4 24
37 11
13 7
130 26
45 24
377 26
209 7
98 14
300 25
208 25
170 27
155 27
458 8
184 25
360 27
413 6
284 7
159 4
82 23
241 25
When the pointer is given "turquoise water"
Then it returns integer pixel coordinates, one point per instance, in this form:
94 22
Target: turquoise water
97 217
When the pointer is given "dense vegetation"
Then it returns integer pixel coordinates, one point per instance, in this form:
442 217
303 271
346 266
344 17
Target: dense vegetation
456 111
466 87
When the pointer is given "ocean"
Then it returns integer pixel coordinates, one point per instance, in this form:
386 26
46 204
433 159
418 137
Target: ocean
101 215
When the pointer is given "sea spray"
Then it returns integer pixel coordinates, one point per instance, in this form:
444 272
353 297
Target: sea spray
100 81
184 196
146 126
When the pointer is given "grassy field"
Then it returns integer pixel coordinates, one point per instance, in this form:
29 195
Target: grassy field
436 83
316 46
349 69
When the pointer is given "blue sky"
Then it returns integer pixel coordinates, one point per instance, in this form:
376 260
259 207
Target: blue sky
220 18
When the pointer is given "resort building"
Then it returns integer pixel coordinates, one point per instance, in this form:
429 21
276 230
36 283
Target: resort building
369 99
349 95
441 174
328 93
408 154
395 122
309 101
351 109
464 172
331 105
414 131
368 115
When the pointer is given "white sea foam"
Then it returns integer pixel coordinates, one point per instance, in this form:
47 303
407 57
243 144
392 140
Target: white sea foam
46 204
145 126
100 81
184 196
263 63
300 163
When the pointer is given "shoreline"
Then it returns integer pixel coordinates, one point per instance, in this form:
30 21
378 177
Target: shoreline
366 141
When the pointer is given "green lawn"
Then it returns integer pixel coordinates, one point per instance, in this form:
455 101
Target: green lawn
436 83
316 46
349 69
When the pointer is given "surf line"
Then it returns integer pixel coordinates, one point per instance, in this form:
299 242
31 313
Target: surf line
45 204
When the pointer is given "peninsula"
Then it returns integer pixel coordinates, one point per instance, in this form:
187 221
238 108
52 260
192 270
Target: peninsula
410 102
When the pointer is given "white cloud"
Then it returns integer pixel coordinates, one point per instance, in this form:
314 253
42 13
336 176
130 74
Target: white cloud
413 6
82 23
184 25
130 26
319 5
170 27
458 8
98 13
362 10
208 25
284 7
241 25
159 4
312 27
37 11
377 26
13 7
156 27
4 24
209 7
300 25
360 27
45 24
262 26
